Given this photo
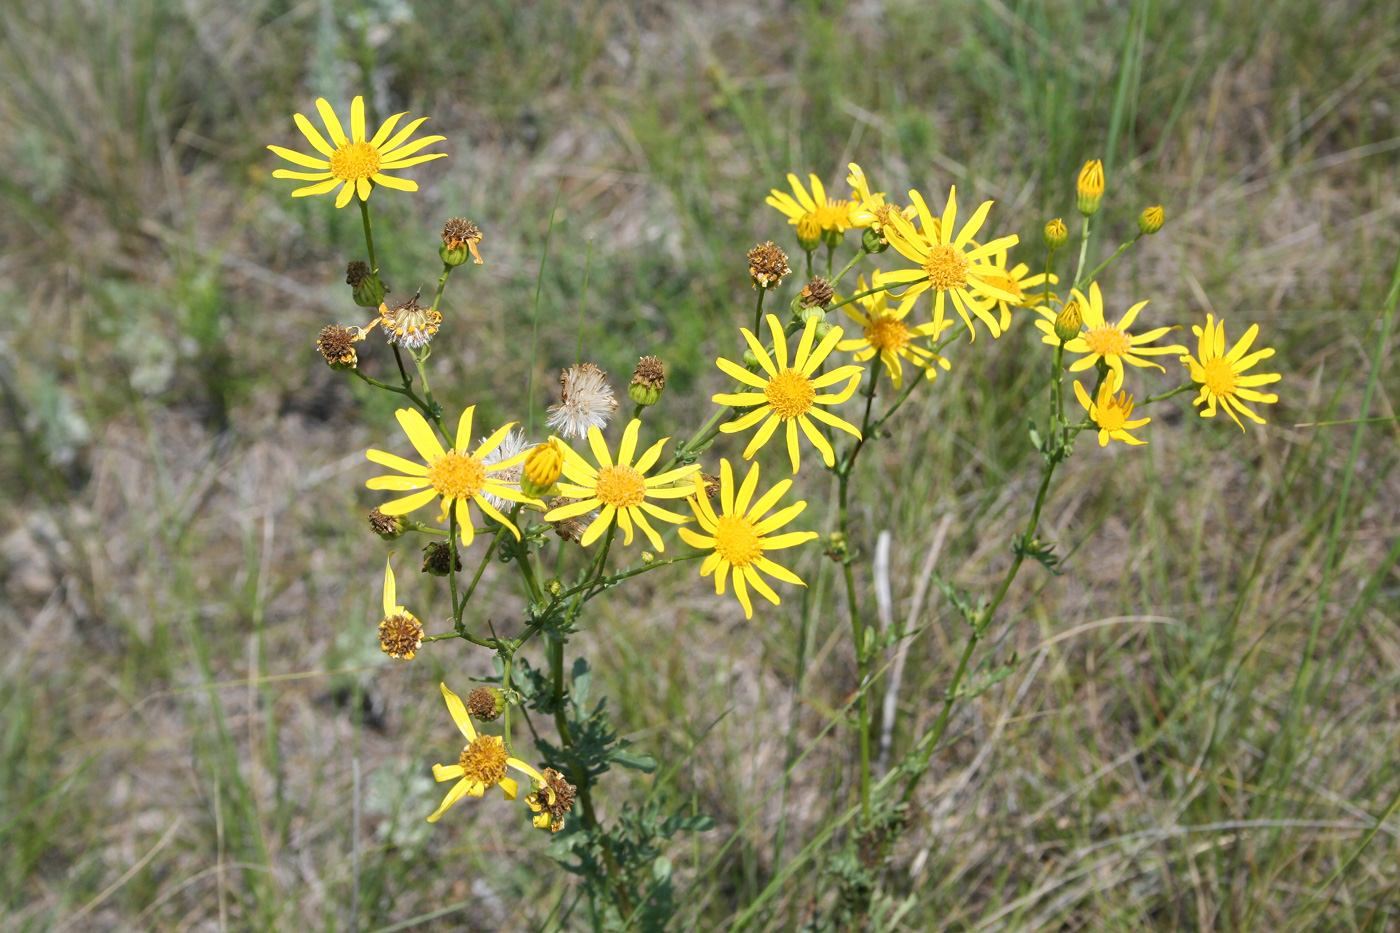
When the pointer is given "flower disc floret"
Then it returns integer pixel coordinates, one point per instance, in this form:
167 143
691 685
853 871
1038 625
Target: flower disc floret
952 265
1111 342
741 533
354 162
619 490
457 476
1221 373
788 395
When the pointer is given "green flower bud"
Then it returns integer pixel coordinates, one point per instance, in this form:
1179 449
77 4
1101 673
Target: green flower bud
872 242
1056 234
1090 187
366 287
809 232
1151 220
1068 322
833 238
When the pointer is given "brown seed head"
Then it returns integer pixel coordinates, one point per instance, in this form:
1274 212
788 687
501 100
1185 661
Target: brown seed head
440 559
460 232
400 636
337 346
711 482
818 293
357 273
571 529
650 372
387 527
767 265
485 703
561 792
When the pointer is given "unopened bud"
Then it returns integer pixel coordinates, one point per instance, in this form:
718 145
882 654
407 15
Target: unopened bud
750 359
648 381
809 232
553 586
1068 322
486 703
872 242
648 557
1151 220
833 238
1090 186
541 469
1056 234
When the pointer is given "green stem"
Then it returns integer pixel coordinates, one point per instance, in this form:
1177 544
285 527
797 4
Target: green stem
860 254
369 239
1083 251
830 251
1101 266
1157 398
442 284
758 311
890 286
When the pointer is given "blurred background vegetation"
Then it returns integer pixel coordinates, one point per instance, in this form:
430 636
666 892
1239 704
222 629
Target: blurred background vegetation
197 730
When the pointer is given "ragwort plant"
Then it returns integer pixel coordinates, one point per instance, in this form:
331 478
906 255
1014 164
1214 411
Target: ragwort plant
818 390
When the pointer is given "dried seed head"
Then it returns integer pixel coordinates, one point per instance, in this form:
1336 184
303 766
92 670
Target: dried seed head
648 381
388 527
400 636
767 265
586 400
486 703
367 289
818 293
337 346
357 273
712 484
571 529
551 801
408 325
459 238
441 558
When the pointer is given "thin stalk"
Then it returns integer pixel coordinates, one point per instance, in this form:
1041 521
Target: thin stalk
442 284
1103 265
758 310
860 254
369 238
1083 251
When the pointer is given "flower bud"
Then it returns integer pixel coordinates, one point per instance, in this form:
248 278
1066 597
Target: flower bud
1090 187
872 242
833 238
459 239
1068 322
750 359
809 232
388 527
554 586
648 381
440 559
486 703
541 469
648 557
1151 220
1056 234
366 287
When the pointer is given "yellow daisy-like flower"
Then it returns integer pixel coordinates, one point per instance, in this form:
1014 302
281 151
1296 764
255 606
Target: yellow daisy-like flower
357 161
1109 413
811 212
1014 281
789 394
1104 341
870 209
950 265
740 534
482 764
884 332
1219 373
619 490
456 475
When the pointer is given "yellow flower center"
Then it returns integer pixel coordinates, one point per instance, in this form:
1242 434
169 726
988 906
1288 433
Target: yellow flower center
620 486
1108 341
457 475
1220 378
946 267
833 215
790 393
737 541
887 333
1111 416
353 161
484 760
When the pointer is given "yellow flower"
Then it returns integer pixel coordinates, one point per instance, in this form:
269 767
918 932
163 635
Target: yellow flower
455 475
789 394
740 535
400 634
1014 281
542 467
948 264
1219 373
1103 341
482 764
620 488
1109 413
871 209
884 332
1089 187
356 160
826 214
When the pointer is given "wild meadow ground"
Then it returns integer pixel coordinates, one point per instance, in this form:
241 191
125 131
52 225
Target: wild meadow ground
1200 727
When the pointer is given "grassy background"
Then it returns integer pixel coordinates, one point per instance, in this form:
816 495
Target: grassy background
1201 730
